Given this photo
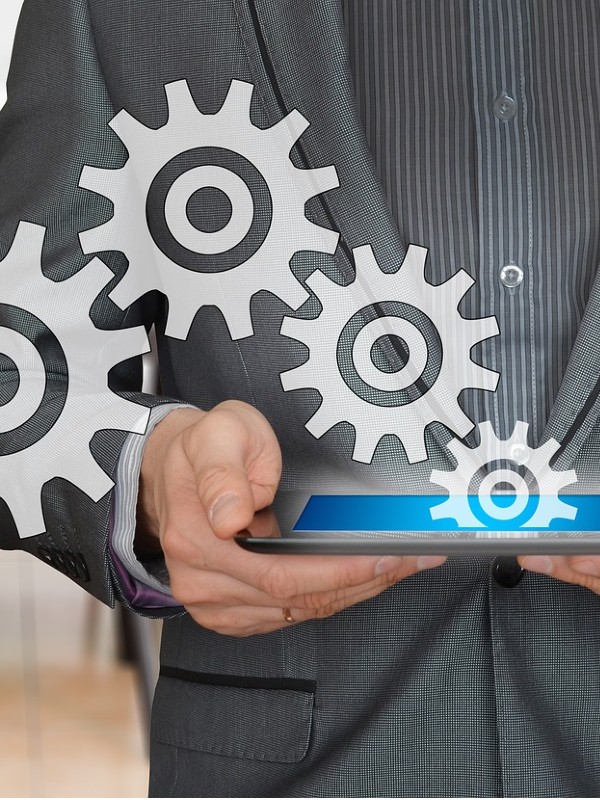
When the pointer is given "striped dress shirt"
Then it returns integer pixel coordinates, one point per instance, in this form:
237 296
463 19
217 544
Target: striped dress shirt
483 119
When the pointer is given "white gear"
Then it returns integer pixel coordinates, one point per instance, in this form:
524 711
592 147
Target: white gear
407 420
63 307
490 450
188 129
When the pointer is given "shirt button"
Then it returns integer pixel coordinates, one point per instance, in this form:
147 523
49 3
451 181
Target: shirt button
507 571
511 276
505 107
519 453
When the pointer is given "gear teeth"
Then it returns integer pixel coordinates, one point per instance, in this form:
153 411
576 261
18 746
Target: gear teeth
288 130
413 266
440 511
364 259
318 180
483 378
414 446
128 129
288 325
491 448
457 448
98 239
520 432
321 422
548 449
438 476
481 329
364 447
99 181
320 284
132 417
91 279
318 239
567 511
294 378
373 286
88 477
182 312
569 477
180 102
27 512
177 329
28 237
127 290
487 436
187 128
240 325
90 405
238 100
293 295
457 287
126 343
459 422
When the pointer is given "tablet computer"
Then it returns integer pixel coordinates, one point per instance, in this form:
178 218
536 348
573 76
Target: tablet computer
503 524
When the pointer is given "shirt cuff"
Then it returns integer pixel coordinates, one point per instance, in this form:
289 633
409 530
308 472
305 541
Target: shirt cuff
140 586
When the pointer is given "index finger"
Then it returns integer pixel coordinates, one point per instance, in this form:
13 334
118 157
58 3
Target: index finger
282 576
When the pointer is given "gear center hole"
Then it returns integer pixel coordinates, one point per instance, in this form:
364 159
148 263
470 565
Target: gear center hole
503 494
390 353
209 209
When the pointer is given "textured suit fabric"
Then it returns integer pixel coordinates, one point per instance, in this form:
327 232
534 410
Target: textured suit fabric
446 684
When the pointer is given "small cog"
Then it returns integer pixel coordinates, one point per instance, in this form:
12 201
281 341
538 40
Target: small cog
503 462
249 170
390 354
62 361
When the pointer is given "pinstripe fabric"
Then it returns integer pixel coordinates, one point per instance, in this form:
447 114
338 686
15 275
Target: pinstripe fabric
482 192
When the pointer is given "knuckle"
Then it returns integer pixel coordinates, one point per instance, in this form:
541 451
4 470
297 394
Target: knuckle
346 575
277 582
313 601
587 581
174 545
212 478
328 610
216 621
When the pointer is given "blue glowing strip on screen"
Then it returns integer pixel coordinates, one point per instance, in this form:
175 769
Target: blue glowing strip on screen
413 513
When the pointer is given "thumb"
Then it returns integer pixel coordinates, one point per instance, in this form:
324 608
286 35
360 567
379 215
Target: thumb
226 450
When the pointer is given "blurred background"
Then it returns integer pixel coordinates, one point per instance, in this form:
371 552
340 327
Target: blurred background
75 676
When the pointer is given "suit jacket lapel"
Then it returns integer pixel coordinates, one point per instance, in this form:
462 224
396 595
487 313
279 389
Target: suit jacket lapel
576 408
298 55
299 60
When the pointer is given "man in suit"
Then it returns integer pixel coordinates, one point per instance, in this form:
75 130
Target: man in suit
157 168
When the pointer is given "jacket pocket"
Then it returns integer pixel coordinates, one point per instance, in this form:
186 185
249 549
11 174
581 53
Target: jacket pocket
265 719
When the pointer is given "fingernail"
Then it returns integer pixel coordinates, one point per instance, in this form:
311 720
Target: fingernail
223 508
587 568
388 564
538 564
428 562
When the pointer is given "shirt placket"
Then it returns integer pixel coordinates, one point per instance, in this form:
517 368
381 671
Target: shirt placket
506 275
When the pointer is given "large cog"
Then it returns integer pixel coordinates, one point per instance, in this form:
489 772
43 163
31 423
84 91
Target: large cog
504 456
62 398
167 167
354 359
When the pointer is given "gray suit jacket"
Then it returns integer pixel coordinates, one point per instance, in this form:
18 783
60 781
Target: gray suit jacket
446 684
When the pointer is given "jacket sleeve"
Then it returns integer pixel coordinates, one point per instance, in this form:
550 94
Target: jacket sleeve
70 359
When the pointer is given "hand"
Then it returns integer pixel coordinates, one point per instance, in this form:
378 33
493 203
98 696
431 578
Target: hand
579 570
204 474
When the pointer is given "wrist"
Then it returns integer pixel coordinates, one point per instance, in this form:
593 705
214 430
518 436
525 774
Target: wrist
147 543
